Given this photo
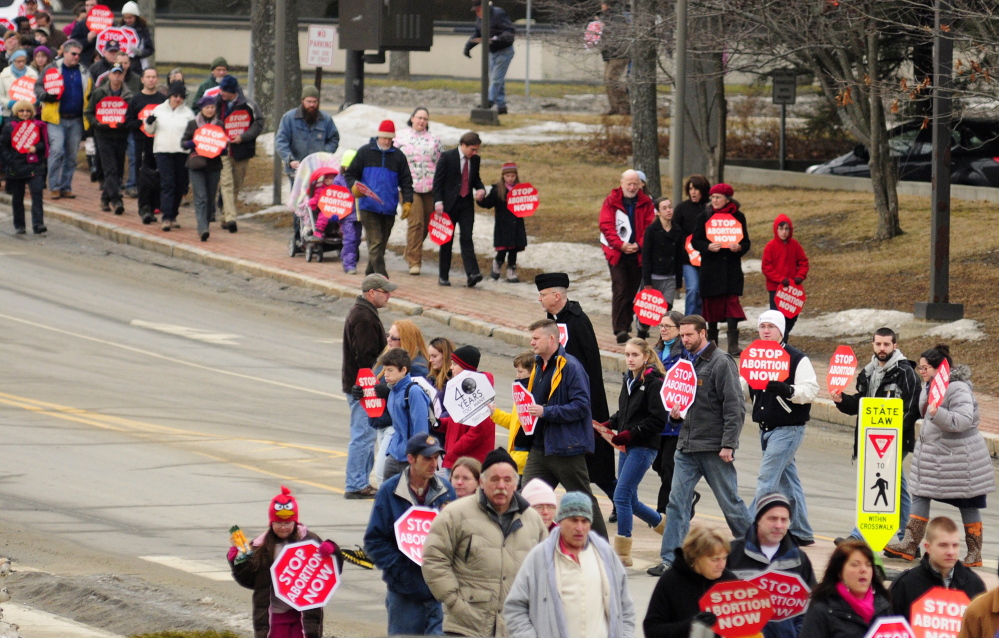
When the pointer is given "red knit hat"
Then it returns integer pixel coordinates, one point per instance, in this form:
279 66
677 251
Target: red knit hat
386 129
722 189
284 507
509 167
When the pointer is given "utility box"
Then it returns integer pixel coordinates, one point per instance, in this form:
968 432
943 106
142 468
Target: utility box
386 25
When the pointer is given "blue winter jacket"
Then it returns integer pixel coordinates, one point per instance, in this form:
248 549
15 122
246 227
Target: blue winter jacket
386 172
407 423
402 575
567 421
296 140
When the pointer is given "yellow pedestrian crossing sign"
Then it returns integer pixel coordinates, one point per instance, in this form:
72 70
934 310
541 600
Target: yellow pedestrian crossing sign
879 470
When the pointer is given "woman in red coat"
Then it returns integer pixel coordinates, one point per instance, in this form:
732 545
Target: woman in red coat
784 261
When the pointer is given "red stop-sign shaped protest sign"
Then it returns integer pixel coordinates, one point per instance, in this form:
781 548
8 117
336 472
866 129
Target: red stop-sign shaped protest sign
53 83
890 627
693 255
522 200
679 386
939 385
99 18
788 592
26 135
763 362
237 123
650 306
302 577
210 140
939 613
108 35
374 406
22 89
146 111
742 608
411 531
111 111
523 399
842 367
441 228
723 228
336 201
790 299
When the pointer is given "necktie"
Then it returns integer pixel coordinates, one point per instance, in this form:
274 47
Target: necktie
464 179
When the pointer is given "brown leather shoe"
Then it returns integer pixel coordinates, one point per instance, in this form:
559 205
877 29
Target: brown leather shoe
55 195
68 195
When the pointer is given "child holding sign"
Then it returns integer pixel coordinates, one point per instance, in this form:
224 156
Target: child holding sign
519 444
784 262
322 181
509 235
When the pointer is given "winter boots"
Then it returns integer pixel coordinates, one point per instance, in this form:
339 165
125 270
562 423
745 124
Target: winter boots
622 547
511 275
495 274
661 527
914 531
733 342
973 538
713 332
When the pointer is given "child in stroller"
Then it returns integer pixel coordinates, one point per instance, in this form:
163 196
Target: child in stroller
325 233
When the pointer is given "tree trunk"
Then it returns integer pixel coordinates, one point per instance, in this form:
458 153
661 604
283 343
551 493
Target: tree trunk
716 166
399 65
884 177
262 24
642 90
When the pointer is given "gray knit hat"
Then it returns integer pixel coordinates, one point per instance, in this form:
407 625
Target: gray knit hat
769 501
575 504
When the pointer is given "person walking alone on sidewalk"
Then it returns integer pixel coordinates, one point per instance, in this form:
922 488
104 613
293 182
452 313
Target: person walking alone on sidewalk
422 149
500 41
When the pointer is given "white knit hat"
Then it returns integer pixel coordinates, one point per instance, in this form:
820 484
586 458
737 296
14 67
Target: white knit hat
775 317
537 492
131 8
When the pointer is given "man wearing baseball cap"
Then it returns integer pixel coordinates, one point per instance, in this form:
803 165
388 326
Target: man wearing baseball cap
111 141
412 609
588 595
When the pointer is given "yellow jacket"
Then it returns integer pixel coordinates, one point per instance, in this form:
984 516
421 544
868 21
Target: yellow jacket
510 421
50 110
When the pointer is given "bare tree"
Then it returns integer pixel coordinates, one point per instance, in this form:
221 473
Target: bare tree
642 92
262 23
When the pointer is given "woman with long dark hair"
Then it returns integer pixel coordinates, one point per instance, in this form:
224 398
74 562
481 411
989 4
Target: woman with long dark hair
685 216
132 17
849 598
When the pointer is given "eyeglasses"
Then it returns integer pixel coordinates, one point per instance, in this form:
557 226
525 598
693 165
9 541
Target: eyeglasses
924 368
667 326
391 338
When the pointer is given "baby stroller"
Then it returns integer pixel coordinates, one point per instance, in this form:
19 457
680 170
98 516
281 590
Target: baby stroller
313 167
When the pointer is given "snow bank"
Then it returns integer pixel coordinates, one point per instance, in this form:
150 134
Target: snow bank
862 322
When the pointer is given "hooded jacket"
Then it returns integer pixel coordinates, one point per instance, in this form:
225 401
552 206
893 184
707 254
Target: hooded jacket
915 582
640 410
714 420
783 259
386 172
645 214
566 422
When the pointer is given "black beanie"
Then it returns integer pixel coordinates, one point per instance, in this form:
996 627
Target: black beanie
467 357
499 455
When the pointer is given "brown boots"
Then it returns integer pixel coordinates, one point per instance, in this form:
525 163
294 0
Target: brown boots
622 547
973 538
914 532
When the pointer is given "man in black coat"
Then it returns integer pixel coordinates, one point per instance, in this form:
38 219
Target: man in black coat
456 181
580 341
941 567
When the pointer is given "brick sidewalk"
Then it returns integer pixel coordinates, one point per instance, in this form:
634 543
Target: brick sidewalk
257 244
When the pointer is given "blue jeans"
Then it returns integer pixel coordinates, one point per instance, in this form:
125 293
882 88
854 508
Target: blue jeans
413 618
132 161
499 62
778 473
724 482
64 142
631 467
905 506
361 450
692 282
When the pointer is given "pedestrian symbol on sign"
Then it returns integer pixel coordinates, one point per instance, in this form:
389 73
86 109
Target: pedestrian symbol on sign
879 470
881 486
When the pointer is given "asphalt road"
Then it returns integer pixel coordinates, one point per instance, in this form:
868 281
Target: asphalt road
148 404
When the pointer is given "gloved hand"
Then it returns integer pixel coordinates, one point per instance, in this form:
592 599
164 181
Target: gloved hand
151 119
50 98
622 438
781 389
798 280
327 549
785 281
382 390
356 192
357 392
232 554
468 52
706 618
406 207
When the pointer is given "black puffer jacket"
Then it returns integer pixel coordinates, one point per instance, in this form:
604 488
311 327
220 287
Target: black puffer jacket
15 163
676 600
641 410
915 582
834 618
661 251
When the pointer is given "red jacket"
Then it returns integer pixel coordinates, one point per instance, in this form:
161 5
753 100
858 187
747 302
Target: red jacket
645 213
783 260
461 440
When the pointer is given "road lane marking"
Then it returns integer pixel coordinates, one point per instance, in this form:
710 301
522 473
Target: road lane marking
206 336
204 568
156 355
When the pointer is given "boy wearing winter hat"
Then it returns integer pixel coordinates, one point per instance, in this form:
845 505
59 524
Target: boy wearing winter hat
784 262
461 440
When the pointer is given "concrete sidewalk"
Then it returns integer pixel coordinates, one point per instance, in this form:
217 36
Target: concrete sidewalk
33 623
259 251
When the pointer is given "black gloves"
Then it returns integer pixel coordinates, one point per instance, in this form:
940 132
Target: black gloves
785 281
706 618
468 52
798 280
781 389
151 119
382 390
50 98
357 392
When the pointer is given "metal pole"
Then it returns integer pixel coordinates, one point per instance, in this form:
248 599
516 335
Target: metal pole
527 53
319 78
783 137
679 103
353 78
280 64
487 9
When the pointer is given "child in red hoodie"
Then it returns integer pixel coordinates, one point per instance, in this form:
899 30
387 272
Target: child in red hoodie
784 261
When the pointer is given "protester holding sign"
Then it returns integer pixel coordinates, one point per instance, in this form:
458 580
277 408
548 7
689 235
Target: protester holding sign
518 443
784 262
24 145
951 463
721 275
140 107
204 171
140 54
698 565
422 148
687 216
670 349
768 546
168 123
781 411
272 616
475 440
18 69
509 233
850 597
350 227
244 123
661 252
412 609
106 114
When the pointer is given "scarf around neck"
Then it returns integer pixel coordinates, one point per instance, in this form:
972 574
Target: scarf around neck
863 606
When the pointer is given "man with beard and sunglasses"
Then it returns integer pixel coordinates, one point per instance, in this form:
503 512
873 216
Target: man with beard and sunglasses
305 130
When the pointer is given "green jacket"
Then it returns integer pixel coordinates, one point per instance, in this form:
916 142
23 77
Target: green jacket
98 94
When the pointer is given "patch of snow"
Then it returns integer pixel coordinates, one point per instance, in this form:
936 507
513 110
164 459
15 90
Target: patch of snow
861 322
264 196
960 330
751 266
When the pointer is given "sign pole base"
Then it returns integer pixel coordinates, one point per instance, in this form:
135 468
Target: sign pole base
319 78
488 117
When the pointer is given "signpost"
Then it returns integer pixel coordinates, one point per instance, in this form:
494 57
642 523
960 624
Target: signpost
742 608
322 43
522 399
939 613
411 531
679 386
879 470
763 362
374 406
302 577
467 397
890 627
785 92
842 367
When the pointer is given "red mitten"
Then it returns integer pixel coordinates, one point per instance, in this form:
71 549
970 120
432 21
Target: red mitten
327 549
622 438
231 554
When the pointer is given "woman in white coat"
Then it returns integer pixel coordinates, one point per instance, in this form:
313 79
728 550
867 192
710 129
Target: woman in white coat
168 122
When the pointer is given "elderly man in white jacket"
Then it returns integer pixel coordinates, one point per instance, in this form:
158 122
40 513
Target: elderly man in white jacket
572 585
168 122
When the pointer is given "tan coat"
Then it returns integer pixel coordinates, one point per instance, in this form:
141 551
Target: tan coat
981 620
470 566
